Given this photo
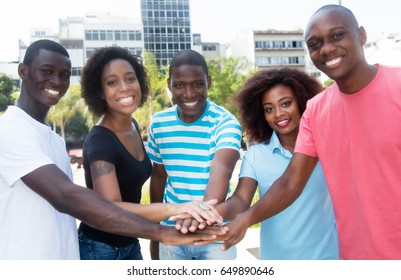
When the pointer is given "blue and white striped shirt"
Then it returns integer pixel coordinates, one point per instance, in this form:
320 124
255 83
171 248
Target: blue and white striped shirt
187 149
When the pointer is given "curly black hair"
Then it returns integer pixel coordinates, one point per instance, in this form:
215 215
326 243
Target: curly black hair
91 76
249 98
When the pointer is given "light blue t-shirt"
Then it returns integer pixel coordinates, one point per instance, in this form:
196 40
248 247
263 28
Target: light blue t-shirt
306 229
187 149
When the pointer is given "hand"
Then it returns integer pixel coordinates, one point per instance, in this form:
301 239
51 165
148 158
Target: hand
200 211
189 224
236 232
171 236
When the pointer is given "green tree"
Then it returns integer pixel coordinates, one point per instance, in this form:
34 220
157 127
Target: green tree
328 83
66 108
158 98
76 130
228 75
7 87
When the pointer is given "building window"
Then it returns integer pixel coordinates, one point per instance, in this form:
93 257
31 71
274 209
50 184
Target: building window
278 44
117 35
124 35
40 33
263 61
135 35
88 35
263 44
76 71
296 60
109 34
89 52
135 51
209 48
279 60
102 35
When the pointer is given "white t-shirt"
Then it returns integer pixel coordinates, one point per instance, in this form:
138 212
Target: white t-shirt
30 227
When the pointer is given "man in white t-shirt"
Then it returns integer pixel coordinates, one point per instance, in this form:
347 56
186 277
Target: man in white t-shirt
38 200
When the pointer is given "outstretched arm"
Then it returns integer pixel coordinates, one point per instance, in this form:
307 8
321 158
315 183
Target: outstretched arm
240 200
221 170
53 185
86 205
105 183
284 191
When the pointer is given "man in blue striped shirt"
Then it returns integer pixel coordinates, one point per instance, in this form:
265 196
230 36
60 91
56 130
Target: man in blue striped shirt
194 147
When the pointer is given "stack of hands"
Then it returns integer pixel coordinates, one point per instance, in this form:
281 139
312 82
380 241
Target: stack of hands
199 216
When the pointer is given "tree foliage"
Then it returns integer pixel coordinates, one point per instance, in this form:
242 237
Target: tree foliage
158 98
66 108
76 129
328 83
228 75
7 87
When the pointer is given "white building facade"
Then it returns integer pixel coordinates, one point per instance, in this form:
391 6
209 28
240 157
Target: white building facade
267 49
81 36
386 50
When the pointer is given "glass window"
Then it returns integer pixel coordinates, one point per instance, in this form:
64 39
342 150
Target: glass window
76 71
109 35
117 35
95 35
124 35
89 52
88 35
103 35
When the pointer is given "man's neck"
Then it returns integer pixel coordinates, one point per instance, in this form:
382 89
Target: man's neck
36 113
361 78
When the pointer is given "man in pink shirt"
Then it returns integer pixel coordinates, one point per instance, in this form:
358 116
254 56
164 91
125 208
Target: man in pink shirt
353 129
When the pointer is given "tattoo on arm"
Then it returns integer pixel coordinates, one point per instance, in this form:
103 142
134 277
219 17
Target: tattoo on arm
100 168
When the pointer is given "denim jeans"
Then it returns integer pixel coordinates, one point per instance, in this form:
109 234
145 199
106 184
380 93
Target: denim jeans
192 252
93 250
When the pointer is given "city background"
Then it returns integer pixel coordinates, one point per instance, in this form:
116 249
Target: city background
222 28
237 38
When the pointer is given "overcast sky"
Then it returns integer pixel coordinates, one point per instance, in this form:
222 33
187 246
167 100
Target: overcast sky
216 20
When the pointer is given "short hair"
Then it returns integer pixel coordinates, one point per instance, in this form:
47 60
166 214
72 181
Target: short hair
91 76
249 98
188 57
33 50
340 8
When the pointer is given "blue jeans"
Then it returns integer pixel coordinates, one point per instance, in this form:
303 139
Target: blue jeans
192 252
93 250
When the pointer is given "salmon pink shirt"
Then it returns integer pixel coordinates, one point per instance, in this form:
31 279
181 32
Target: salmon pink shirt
357 138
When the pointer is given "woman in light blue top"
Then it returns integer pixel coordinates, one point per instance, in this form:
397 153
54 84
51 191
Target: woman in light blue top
271 104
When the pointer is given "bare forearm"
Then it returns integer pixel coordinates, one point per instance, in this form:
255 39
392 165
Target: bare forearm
233 206
221 171
155 212
157 183
88 206
156 191
99 213
217 188
219 183
240 200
